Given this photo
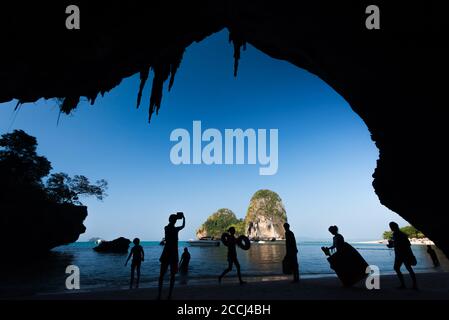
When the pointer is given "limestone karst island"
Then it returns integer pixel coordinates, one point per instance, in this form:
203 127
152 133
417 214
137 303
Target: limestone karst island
263 222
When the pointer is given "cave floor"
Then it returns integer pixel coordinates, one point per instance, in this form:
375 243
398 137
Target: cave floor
433 286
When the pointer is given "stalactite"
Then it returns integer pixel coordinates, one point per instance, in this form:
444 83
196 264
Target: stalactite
163 70
161 74
238 43
92 98
143 79
69 104
175 66
19 103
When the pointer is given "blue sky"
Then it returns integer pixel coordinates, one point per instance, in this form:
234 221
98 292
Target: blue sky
326 157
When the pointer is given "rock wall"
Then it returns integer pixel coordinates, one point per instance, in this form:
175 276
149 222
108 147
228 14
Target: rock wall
40 227
265 217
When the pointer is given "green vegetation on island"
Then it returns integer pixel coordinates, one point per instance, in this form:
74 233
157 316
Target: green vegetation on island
410 231
219 222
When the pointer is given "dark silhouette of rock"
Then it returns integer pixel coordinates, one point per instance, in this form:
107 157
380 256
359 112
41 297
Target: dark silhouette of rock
389 76
39 227
31 216
120 245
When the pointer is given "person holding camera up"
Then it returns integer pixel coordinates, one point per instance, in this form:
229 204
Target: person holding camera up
169 257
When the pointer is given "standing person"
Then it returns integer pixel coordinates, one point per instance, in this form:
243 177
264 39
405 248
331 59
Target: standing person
291 252
231 243
403 254
433 256
184 266
138 256
184 263
169 255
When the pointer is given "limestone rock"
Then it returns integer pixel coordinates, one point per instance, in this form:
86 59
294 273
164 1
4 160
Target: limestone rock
266 216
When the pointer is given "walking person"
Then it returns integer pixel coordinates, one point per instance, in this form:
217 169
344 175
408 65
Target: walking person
231 243
403 255
433 256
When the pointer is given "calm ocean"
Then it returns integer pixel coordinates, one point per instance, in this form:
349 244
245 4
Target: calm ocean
107 271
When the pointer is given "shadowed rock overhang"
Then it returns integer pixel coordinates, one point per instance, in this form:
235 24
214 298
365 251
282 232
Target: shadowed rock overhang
392 78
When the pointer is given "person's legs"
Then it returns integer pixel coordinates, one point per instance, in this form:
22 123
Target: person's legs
412 275
397 268
226 271
436 262
173 270
237 266
133 267
295 269
164 267
138 275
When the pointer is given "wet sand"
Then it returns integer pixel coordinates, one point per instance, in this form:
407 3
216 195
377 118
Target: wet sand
432 286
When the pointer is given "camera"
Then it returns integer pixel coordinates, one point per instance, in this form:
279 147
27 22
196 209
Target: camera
180 215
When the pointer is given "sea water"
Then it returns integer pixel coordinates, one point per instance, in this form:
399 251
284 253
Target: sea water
100 271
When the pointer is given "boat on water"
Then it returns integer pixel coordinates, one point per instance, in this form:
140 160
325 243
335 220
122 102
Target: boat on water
268 241
204 242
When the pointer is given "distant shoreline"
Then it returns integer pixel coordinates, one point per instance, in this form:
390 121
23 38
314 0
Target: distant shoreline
413 241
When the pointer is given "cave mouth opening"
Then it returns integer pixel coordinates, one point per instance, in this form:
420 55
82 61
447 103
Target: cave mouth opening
314 122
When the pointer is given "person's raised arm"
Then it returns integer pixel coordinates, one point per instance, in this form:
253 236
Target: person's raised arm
183 223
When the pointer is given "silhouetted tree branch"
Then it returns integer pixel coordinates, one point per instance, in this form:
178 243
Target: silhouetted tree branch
62 188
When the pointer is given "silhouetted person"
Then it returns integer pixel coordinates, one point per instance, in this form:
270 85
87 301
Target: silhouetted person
184 263
138 256
291 252
345 260
433 255
184 266
338 240
169 257
232 256
403 254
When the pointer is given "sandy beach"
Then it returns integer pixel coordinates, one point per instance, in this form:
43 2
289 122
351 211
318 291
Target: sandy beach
432 286
413 241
